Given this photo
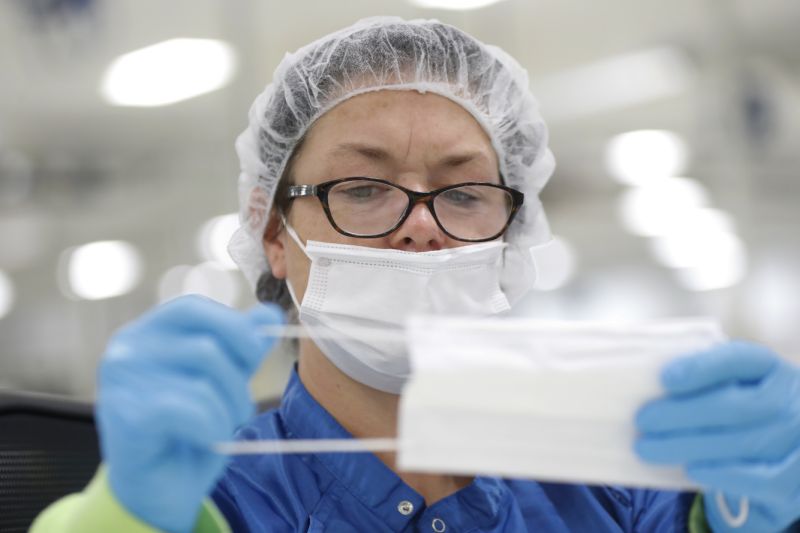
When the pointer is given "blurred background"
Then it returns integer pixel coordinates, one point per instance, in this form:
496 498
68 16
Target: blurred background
675 126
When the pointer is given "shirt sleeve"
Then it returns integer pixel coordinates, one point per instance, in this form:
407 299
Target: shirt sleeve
96 510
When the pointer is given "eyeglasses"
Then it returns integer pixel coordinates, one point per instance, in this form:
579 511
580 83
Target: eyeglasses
371 207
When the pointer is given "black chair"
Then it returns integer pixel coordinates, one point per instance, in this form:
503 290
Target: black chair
48 448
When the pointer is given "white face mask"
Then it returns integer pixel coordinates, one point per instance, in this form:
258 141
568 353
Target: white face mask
354 288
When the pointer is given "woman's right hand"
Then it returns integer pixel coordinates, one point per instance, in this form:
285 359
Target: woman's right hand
171 384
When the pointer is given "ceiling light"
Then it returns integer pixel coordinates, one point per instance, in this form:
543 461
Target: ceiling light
696 250
6 294
168 72
460 5
214 282
713 277
213 239
702 220
658 208
207 279
102 269
638 157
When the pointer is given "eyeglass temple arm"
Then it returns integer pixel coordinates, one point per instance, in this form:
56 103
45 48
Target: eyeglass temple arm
297 191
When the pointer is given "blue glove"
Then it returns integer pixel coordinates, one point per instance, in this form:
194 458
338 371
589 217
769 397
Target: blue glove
171 384
732 417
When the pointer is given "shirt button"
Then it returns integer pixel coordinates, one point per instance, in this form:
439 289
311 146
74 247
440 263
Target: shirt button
438 525
405 507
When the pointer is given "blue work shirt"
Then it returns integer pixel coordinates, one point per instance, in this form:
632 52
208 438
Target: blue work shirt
356 492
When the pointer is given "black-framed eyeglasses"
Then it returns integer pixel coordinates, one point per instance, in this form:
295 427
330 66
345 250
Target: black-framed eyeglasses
371 207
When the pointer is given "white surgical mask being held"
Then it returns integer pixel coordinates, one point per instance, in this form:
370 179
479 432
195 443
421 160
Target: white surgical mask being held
354 288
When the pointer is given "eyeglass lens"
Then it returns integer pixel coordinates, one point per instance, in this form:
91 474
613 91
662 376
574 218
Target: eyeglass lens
364 207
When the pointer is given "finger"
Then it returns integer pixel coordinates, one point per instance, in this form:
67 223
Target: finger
192 413
195 414
728 406
769 442
188 411
237 332
731 361
777 481
201 357
178 357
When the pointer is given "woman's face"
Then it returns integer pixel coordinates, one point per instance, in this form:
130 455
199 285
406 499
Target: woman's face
420 141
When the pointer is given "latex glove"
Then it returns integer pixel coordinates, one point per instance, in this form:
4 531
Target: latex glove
732 417
171 384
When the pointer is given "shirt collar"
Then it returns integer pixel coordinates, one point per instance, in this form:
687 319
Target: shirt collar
366 477
375 484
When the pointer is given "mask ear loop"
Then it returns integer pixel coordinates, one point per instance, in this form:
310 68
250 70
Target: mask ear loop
293 234
296 238
727 515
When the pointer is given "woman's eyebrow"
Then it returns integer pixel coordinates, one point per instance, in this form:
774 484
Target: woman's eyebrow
377 153
455 160
374 153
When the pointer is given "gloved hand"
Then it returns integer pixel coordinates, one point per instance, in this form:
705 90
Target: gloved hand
171 384
732 417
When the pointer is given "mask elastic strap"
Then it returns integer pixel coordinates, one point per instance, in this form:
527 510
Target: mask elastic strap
296 238
292 295
293 234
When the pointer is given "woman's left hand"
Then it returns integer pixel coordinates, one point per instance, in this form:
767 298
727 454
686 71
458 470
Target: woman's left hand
731 416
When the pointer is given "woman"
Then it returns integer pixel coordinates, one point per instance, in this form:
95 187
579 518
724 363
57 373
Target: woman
384 154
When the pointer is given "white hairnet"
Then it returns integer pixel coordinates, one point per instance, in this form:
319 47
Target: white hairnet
390 53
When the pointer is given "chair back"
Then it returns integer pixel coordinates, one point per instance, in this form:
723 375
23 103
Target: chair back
48 449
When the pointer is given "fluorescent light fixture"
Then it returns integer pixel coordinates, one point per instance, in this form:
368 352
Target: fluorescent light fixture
555 265
208 279
638 157
660 207
457 5
168 72
713 277
102 269
703 220
614 83
703 261
696 250
213 238
6 294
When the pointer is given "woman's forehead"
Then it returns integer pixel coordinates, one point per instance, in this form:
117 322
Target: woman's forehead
389 124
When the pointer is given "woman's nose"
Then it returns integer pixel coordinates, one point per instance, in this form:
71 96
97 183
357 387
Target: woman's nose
419 232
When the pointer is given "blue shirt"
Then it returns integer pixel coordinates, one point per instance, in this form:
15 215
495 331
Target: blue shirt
356 492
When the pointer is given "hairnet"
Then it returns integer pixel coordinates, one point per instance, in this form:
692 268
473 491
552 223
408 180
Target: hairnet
389 53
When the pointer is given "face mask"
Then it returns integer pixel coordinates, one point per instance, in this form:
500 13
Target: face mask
352 289
555 401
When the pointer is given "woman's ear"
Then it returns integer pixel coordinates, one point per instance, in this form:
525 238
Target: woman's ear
274 247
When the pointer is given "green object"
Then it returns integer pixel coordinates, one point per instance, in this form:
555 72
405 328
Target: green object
697 517
96 510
